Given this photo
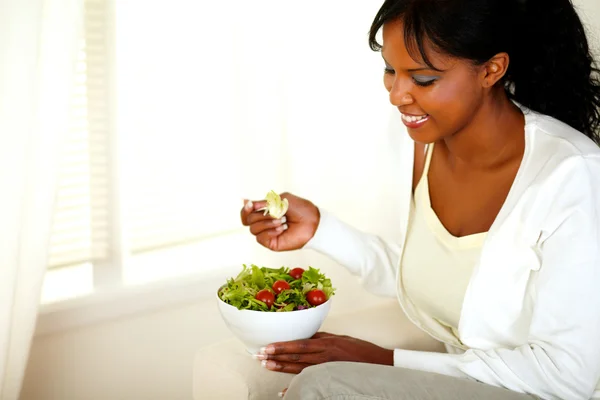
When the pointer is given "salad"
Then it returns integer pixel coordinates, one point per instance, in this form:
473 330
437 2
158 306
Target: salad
276 290
276 207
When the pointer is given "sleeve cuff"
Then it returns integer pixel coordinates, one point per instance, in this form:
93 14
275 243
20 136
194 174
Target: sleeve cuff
439 363
324 231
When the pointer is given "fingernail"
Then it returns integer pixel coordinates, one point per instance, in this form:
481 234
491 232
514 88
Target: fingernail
281 221
280 394
249 205
284 227
269 364
259 356
266 350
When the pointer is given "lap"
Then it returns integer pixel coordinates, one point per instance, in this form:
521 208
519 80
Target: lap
353 381
226 371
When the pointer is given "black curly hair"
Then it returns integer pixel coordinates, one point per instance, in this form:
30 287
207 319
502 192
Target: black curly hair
551 69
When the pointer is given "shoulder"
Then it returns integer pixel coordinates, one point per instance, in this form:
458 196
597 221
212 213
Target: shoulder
556 149
560 172
556 139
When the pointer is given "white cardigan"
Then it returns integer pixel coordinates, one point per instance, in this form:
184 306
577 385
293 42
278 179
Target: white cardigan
530 320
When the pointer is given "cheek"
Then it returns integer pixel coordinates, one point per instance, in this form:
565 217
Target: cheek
453 102
388 82
454 93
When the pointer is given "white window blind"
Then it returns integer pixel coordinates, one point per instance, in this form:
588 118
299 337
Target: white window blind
80 225
182 108
177 115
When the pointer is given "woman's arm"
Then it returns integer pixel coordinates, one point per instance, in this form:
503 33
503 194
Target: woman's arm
373 259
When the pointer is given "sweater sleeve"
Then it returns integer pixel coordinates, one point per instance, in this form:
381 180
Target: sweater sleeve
372 259
561 359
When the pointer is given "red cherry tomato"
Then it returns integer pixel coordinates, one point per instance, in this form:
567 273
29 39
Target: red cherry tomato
266 297
316 297
296 273
280 285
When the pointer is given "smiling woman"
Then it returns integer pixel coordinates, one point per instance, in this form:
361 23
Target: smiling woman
500 102
528 60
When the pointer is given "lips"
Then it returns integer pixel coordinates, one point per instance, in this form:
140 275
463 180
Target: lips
414 121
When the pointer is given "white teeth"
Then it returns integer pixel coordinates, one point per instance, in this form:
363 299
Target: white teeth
413 118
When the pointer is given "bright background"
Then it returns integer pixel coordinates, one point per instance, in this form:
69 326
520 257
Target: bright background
180 110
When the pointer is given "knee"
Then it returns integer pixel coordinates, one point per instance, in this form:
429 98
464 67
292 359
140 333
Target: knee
316 382
308 384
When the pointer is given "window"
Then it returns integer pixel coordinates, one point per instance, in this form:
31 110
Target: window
181 109
171 129
80 234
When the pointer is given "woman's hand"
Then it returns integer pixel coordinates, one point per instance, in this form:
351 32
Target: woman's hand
291 232
293 357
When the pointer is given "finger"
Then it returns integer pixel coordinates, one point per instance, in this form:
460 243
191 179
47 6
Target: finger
294 347
250 208
261 226
290 368
270 237
306 358
245 211
322 335
259 204
258 216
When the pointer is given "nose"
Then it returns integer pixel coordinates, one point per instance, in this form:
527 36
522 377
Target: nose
400 93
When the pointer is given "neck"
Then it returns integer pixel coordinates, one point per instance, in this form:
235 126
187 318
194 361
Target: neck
493 136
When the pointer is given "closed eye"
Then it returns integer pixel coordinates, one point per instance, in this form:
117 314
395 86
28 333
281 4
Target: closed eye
424 80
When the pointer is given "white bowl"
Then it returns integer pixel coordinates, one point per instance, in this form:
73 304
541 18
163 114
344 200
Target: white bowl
257 329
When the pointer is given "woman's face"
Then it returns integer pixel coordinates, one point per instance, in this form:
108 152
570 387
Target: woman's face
434 104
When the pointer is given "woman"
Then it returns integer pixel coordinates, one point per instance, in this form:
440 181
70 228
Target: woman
501 175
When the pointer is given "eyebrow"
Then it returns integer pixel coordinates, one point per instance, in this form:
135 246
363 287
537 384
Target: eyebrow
414 69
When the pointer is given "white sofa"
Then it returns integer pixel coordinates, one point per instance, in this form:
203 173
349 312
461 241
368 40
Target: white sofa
226 372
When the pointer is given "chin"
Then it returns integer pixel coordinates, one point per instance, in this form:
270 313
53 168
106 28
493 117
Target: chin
423 136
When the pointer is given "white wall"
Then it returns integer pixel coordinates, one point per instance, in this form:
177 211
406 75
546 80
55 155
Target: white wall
590 12
145 357
149 356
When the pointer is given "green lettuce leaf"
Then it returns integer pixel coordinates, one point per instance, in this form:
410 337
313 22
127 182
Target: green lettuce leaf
241 291
258 278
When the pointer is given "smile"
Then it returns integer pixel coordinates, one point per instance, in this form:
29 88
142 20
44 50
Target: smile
414 121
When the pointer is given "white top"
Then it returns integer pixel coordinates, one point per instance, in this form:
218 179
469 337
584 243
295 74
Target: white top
530 320
436 266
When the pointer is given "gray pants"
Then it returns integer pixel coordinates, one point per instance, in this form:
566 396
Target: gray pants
355 381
